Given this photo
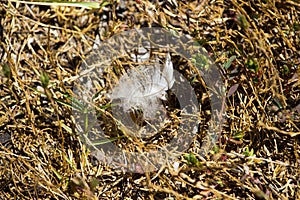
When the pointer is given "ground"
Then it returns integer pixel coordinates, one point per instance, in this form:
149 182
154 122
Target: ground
256 46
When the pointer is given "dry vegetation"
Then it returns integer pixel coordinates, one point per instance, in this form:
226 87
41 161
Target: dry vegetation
258 153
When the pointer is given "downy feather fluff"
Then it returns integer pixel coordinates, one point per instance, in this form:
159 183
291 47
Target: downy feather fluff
144 87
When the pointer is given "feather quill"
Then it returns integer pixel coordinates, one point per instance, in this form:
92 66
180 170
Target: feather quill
144 87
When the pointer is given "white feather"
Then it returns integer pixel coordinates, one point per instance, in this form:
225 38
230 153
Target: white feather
144 86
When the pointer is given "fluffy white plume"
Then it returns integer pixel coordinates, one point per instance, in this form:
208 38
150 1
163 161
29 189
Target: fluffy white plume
144 86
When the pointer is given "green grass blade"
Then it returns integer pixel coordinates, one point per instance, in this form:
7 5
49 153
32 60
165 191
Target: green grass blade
228 63
87 5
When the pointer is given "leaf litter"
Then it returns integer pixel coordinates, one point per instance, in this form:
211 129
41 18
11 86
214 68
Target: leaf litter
257 154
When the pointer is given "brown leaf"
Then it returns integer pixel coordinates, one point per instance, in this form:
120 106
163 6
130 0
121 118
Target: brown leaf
232 89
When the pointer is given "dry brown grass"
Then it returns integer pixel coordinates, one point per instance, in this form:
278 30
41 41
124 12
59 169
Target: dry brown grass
258 154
